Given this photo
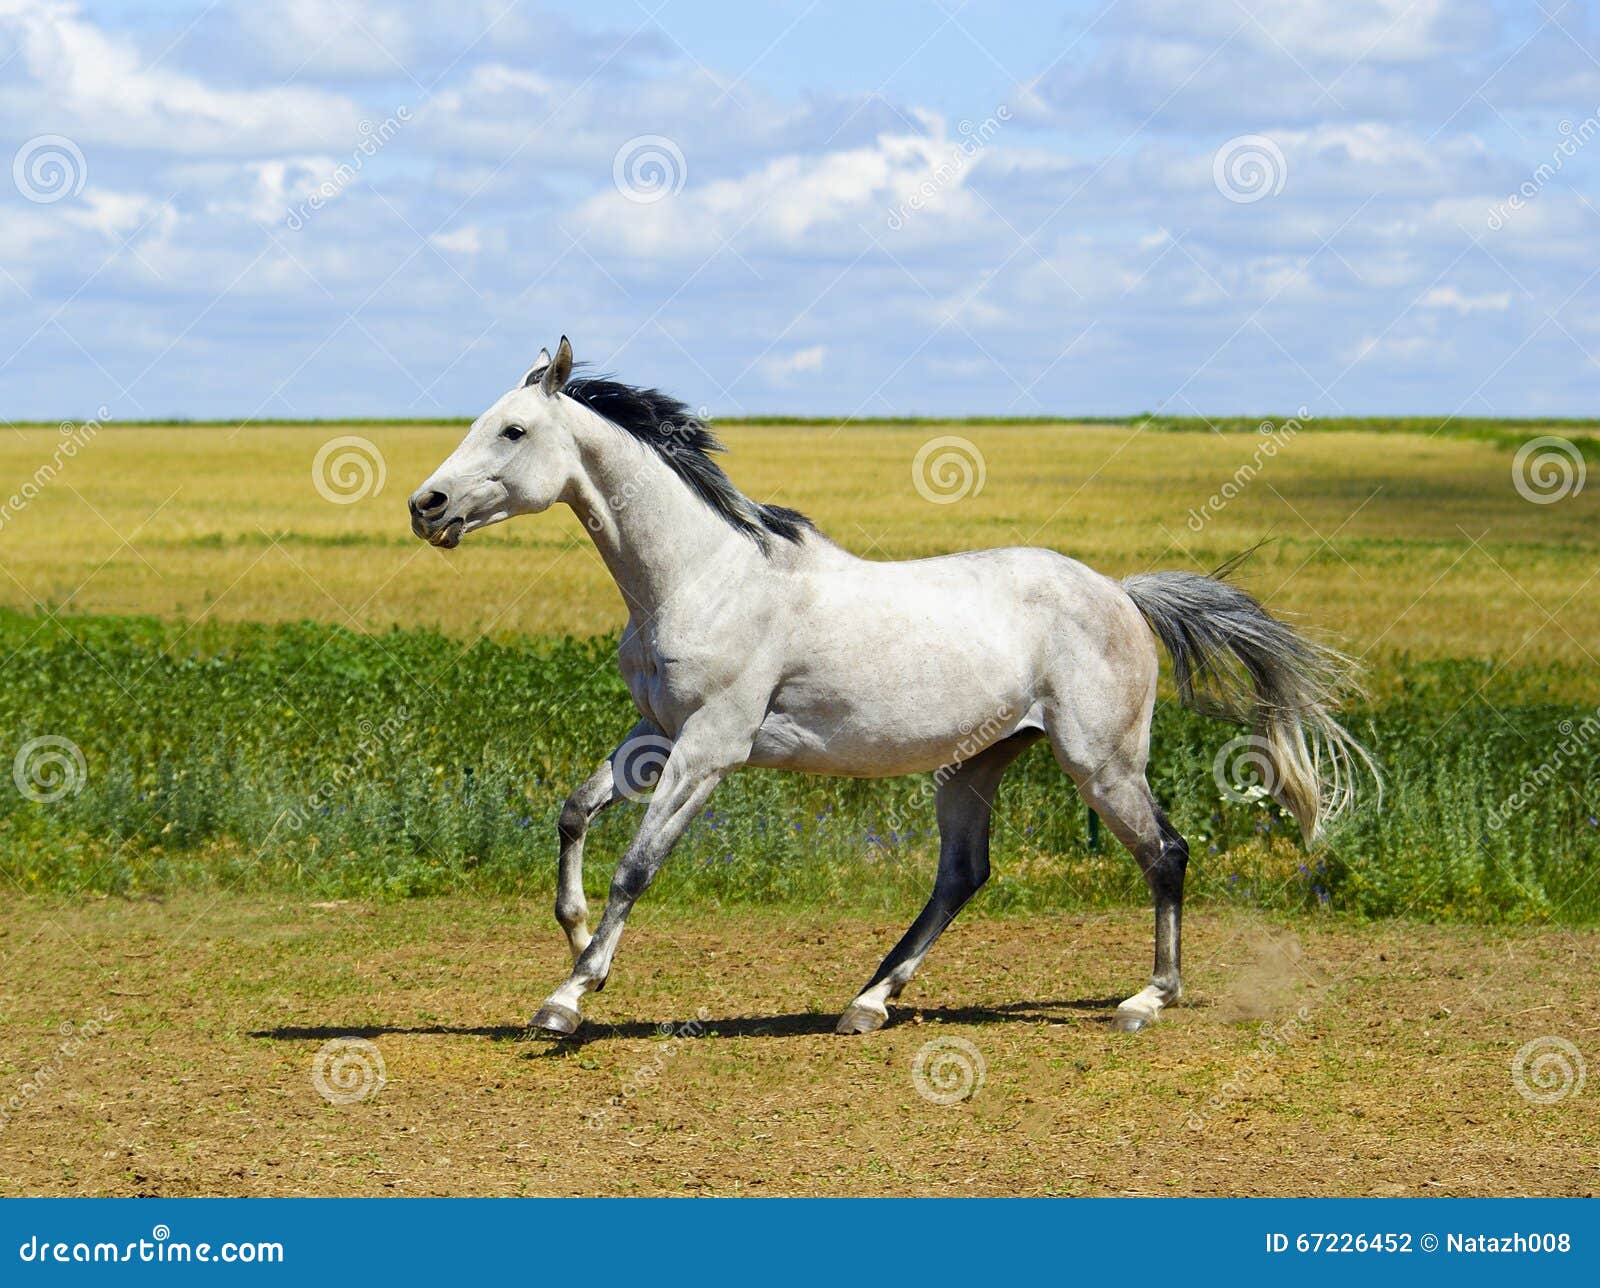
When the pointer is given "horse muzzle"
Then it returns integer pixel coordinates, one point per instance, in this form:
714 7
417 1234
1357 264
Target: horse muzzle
446 536
429 523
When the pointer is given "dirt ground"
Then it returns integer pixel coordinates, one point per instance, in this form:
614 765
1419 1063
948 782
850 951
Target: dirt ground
173 1049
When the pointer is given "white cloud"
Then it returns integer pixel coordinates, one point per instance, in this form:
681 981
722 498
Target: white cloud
937 276
1385 31
116 214
1182 64
1448 297
901 182
782 368
466 240
102 90
262 191
342 37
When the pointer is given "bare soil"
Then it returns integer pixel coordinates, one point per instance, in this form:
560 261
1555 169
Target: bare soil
1310 1057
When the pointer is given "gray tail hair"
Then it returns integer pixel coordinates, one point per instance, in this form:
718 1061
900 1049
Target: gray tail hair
1231 659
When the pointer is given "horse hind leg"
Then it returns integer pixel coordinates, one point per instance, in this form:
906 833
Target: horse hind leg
964 804
1118 792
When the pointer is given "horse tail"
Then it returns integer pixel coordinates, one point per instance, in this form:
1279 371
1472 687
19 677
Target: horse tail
1233 660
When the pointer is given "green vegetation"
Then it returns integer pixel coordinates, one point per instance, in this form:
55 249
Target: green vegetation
311 758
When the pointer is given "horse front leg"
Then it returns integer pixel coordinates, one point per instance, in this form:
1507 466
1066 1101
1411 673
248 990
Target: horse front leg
621 774
693 770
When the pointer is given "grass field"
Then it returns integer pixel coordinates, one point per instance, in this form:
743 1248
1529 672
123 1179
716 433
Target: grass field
407 763
306 770
417 716
1398 542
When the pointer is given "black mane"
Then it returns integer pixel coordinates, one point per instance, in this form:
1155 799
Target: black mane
684 441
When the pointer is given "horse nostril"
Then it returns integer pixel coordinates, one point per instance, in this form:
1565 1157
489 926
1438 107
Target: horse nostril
429 504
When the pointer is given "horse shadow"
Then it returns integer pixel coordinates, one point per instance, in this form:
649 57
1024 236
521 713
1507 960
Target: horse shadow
797 1024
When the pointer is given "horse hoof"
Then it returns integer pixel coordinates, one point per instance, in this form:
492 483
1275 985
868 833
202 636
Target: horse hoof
556 1020
1128 1020
861 1019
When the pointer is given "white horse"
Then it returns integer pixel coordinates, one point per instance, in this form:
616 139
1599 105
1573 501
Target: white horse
753 640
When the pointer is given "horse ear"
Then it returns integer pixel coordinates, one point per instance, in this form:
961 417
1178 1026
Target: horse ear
559 370
537 370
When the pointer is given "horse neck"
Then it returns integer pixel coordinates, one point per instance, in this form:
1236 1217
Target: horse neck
658 540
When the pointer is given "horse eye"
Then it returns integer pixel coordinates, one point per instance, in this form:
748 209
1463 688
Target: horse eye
513 432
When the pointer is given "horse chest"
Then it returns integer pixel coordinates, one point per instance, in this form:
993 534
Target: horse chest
662 687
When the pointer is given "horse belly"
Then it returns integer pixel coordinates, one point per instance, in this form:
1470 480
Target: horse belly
884 743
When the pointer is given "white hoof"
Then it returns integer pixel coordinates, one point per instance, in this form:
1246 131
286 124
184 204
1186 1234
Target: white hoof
862 1017
1130 1021
555 1020
1141 1010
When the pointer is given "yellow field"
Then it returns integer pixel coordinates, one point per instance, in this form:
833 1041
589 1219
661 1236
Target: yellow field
1396 542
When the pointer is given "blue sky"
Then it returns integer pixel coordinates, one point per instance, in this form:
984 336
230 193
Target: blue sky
350 208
